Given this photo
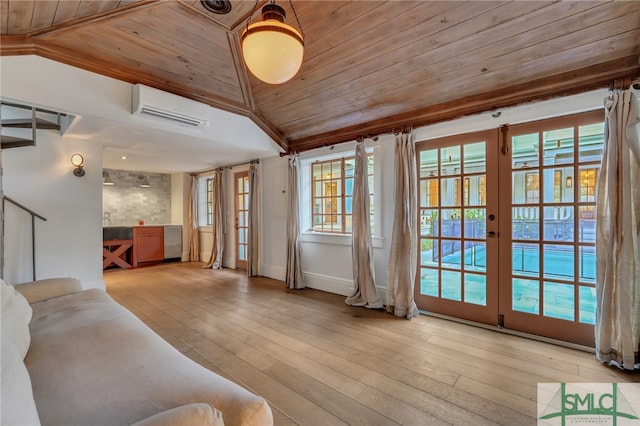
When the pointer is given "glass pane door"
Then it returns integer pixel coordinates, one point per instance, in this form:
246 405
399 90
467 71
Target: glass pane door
458 227
242 217
548 287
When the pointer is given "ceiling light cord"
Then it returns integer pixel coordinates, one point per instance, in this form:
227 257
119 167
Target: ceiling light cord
296 16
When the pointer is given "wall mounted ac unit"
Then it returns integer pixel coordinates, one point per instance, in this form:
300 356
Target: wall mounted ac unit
152 103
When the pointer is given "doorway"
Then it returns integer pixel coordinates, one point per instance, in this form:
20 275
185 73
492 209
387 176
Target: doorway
507 226
241 195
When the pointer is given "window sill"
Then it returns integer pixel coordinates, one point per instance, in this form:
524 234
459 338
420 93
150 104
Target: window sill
335 239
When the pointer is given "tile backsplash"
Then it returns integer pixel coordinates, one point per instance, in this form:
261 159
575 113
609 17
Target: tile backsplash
126 203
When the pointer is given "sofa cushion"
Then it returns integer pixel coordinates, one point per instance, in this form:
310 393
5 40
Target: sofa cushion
48 288
15 316
93 362
17 406
200 414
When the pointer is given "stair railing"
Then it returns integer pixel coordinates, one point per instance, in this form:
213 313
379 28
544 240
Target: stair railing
34 215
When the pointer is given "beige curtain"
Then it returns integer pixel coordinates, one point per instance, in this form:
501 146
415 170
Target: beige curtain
364 293
215 261
617 328
293 275
404 252
253 237
193 235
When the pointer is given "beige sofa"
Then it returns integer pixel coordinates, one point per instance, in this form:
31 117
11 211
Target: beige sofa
73 357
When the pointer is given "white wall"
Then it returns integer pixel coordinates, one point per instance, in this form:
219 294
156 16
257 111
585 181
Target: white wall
327 265
41 178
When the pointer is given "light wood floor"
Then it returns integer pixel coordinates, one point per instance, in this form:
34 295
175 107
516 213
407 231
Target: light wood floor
320 362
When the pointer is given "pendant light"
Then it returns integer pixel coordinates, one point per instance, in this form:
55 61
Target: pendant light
273 50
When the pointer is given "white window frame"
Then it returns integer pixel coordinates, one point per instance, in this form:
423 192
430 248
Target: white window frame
306 229
202 201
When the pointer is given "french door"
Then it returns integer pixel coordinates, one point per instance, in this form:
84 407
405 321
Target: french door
548 224
241 185
507 220
458 216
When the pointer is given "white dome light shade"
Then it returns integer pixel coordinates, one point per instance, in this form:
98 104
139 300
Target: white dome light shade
272 50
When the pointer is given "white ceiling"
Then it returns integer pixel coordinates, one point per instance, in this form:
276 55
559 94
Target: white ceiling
103 109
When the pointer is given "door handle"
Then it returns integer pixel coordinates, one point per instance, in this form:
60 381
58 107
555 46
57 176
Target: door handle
491 234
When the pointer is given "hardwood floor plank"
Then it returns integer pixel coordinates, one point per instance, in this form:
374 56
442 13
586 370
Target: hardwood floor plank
318 361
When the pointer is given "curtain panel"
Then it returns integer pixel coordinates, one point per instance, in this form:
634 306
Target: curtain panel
193 234
293 274
617 328
364 293
404 240
215 260
253 237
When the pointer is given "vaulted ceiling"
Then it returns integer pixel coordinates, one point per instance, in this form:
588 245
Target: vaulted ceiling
369 66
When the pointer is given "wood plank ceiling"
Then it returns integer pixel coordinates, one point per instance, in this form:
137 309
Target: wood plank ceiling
369 66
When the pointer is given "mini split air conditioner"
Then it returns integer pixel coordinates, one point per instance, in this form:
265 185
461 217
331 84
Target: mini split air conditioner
156 104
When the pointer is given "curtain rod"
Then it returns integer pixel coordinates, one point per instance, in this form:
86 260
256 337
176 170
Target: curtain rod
228 166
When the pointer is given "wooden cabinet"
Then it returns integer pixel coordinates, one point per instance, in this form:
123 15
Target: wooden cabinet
148 244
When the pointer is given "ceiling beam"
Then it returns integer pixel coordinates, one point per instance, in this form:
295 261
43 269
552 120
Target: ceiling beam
565 84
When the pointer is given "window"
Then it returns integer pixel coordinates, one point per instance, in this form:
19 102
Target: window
532 183
588 178
205 201
331 194
557 185
209 201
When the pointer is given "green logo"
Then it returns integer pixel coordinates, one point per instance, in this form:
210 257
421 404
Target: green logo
584 407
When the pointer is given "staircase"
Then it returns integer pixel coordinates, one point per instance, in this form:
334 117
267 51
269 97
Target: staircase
20 122
18 128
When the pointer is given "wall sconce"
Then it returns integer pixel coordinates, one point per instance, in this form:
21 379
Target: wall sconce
568 182
78 162
145 183
107 179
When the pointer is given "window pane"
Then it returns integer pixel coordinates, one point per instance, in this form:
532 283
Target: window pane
349 166
451 251
451 192
525 296
429 252
429 222
451 223
587 304
450 161
587 264
429 282
348 183
475 257
558 301
591 140
526 259
524 151
475 289
525 223
587 224
451 285
475 224
558 261
429 192
429 163
558 146
555 185
558 223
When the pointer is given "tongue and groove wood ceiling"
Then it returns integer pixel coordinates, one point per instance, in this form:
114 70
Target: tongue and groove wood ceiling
369 66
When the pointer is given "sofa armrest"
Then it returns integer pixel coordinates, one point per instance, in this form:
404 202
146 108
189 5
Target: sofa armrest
37 291
199 413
